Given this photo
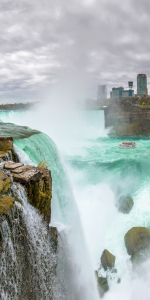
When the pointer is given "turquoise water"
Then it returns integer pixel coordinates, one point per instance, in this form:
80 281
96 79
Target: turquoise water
89 173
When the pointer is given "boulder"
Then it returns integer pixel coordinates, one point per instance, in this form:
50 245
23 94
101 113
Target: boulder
124 204
29 173
107 259
102 284
137 242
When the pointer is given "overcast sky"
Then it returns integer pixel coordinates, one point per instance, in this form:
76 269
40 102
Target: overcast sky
88 42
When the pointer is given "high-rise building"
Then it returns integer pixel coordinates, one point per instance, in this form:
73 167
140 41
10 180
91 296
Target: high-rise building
142 85
102 92
118 93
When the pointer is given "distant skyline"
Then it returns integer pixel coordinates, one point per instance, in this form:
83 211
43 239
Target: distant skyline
79 43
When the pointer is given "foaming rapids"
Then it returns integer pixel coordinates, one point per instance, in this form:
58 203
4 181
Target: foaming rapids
89 174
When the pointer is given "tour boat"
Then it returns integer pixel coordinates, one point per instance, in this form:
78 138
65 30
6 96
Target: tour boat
127 145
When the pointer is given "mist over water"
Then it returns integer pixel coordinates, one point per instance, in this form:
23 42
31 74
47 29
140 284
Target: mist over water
99 172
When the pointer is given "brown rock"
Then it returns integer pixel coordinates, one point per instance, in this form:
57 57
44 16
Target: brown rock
22 169
107 259
102 284
137 240
12 166
31 174
6 143
53 237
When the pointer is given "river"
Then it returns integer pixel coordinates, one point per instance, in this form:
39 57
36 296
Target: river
94 172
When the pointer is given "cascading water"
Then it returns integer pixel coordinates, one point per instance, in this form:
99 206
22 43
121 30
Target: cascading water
99 173
74 274
27 254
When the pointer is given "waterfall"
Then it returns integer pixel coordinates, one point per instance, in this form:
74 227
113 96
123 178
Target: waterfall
74 272
28 262
74 263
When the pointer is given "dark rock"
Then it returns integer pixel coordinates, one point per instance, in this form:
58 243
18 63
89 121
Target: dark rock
53 232
40 193
15 157
124 204
102 284
137 242
107 259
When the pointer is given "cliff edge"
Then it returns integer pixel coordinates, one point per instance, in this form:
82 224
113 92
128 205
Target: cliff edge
128 121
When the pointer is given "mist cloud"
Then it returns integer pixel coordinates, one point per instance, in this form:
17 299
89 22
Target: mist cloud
90 41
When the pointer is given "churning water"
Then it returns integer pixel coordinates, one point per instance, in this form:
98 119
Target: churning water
89 173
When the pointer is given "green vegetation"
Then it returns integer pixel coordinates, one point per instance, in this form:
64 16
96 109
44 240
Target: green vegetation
17 106
6 204
142 101
5 184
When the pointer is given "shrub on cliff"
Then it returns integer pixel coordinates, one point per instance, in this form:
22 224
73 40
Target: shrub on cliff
42 165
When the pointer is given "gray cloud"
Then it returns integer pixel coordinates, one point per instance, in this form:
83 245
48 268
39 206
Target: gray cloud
84 41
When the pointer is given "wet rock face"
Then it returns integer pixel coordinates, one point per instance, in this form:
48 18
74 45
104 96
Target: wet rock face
6 204
25 267
5 183
137 242
107 259
38 185
102 284
6 149
53 232
28 252
128 121
124 204
6 143
40 193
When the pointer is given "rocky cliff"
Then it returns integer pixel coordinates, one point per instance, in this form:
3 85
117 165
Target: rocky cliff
128 121
28 246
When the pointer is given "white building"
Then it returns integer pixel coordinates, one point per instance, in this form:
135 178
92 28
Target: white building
102 92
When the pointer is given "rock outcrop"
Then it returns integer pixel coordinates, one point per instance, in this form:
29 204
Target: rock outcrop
28 247
102 284
38 184
7 149
107 259
137 242
128 121
124 204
